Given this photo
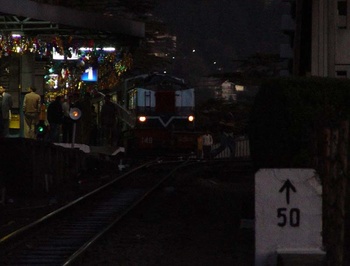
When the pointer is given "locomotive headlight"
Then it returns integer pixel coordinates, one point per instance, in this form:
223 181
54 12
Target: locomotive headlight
142 119
191 118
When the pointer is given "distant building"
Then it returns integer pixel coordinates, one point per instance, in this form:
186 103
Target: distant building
162 45
228 91
225 90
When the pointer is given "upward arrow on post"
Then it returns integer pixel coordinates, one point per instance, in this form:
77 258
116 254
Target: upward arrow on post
287 186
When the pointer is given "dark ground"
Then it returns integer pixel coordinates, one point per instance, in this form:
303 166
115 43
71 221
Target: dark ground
194 220
202 217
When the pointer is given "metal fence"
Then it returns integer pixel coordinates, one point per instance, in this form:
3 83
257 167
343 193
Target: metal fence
242 149
41 166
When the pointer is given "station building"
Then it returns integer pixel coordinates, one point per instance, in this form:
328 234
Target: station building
61 50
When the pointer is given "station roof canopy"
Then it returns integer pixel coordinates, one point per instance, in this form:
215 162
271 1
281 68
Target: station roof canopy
38 19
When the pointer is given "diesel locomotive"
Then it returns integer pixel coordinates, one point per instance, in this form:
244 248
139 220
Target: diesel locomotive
158 113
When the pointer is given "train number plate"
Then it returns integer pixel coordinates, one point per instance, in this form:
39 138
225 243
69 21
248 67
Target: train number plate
146 140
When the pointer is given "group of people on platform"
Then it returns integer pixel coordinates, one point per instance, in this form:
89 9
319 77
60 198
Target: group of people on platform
52 122
87 129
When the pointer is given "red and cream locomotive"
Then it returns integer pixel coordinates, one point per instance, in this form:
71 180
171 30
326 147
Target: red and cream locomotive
158 113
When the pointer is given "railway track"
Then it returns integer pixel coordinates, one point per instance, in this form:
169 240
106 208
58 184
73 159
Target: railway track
62 236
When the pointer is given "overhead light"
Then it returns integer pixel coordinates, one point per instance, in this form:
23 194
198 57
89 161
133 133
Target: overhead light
106 49
17 34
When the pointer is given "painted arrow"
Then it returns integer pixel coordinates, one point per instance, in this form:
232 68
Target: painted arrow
287 186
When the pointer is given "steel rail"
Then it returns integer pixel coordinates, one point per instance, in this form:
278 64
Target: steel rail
83 248
118 205
24 229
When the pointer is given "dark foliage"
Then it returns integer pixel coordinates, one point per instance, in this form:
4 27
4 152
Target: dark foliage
289 113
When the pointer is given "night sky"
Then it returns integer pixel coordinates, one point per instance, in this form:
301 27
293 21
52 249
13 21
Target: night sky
222 30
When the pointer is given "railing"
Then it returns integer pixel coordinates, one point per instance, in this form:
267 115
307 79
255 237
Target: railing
125 115
242 149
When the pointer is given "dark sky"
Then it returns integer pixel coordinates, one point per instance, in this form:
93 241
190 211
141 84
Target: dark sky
222 30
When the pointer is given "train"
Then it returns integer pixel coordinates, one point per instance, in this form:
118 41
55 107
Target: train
158 113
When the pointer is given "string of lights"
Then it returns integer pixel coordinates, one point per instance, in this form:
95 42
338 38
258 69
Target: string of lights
68 60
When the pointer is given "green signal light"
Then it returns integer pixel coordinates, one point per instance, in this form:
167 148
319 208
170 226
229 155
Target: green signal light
40 129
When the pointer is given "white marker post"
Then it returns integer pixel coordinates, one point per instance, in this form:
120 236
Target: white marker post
288 215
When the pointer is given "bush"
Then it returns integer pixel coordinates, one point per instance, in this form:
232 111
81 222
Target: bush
288 112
